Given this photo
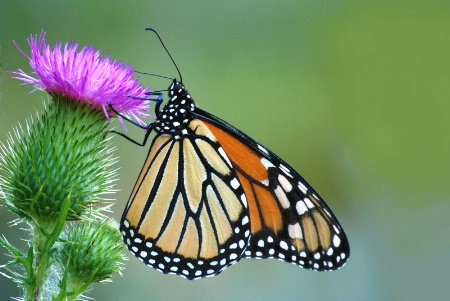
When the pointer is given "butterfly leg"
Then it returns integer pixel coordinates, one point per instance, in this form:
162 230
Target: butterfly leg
158 101
147 134
148 127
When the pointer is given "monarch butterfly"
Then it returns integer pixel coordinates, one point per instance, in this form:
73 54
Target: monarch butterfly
209 195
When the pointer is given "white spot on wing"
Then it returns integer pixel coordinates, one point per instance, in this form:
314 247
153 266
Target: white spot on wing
308 203
284 183
336 229
285 169
282 197
244 200
302 187
336 241
234 183
245 220
263 149
301 208
266 163
224 156
295 231
283 245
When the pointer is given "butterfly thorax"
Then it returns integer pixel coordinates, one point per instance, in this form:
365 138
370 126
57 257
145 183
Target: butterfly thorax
176 114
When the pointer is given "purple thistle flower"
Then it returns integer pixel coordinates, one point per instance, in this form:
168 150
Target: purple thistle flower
85 77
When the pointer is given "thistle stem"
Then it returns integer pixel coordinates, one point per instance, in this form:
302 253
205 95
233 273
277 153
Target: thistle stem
43 245
65 295
42 262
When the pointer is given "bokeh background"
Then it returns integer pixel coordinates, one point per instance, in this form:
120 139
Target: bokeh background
353 94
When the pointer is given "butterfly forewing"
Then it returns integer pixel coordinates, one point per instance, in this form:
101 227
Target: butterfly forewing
289 220
187 213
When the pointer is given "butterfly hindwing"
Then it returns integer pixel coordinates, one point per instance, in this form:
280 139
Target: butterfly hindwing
309 236
289 220
187 214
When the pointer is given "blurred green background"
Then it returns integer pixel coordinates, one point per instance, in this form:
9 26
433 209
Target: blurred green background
353 94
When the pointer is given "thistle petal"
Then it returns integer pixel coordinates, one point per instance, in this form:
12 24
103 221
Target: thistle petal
85 77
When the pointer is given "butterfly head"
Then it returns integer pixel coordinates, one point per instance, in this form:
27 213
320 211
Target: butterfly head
175 115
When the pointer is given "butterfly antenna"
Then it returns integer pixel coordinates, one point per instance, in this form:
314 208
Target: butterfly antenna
152 74
167 51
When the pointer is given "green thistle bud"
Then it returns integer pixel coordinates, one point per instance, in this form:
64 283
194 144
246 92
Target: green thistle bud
61 155
92 253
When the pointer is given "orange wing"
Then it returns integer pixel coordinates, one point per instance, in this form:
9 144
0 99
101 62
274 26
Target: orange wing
288 219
